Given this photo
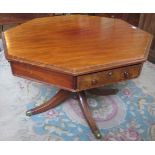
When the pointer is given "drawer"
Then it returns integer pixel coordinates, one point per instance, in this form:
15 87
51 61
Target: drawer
107 77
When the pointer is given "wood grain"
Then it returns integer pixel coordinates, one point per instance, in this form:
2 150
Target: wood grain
132 18
77 44
107 77
43 75
60 97
87 113
75 83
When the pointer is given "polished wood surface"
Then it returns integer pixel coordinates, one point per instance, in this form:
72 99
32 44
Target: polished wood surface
132 18
75 83
77 44
110 76
41 74
87 113
60 97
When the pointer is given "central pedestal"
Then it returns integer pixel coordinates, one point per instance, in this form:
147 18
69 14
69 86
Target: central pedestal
62 95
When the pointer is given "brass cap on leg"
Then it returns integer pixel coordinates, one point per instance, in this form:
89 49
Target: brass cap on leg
29 113
97 134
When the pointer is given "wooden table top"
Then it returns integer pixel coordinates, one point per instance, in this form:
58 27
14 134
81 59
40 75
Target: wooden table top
77 44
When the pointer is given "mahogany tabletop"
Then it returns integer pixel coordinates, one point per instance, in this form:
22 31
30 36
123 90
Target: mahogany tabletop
77 44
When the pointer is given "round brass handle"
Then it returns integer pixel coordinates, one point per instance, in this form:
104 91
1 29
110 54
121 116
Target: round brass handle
110 73
94 82
126 75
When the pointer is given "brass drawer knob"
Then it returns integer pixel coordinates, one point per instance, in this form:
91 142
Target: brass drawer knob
110 73
126 75
94 82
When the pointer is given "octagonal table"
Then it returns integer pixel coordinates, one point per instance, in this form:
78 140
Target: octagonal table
76 53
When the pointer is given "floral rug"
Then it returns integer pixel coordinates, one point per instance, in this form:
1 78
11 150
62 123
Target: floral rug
129 115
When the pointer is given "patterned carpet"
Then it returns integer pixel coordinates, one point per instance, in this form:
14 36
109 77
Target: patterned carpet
129 115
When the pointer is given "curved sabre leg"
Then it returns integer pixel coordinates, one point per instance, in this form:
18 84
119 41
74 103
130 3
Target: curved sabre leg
87 113
60 96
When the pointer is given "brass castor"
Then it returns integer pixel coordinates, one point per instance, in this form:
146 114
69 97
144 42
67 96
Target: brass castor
98 134
29 113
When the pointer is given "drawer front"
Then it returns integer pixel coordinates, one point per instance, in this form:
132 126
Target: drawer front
106 77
